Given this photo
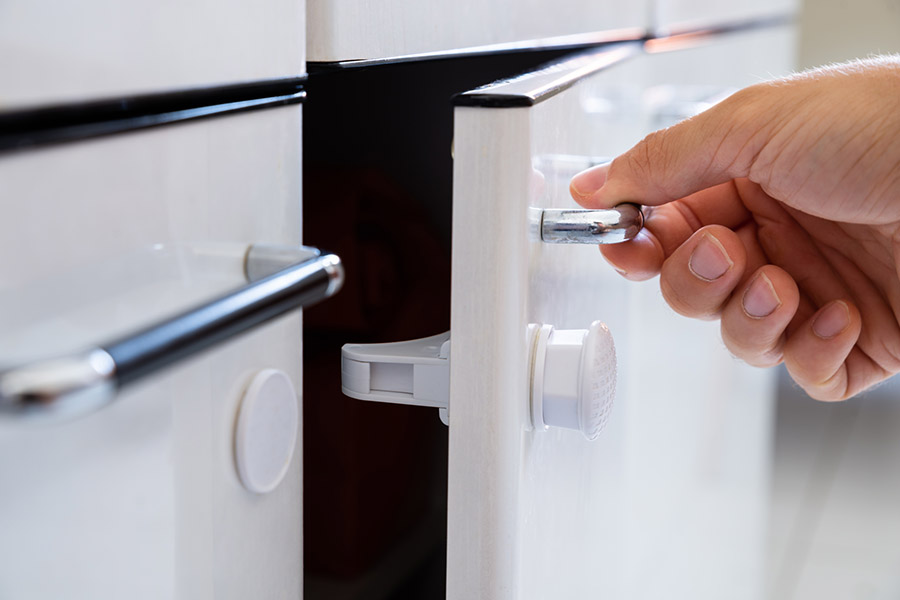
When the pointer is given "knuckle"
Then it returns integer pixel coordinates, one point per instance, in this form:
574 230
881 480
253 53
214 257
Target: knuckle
639 161
884 352
673 297
742 117
824 394
691 306
765 361
820 386
757 352
647 160
682 301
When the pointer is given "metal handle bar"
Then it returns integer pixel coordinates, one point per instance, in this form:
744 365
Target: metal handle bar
280 279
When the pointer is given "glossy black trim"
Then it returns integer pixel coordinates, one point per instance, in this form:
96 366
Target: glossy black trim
536 86
545 82
20 129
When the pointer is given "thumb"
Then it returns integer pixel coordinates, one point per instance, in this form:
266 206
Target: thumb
713 147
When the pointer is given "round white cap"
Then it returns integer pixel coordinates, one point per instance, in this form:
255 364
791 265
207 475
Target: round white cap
266 431
577 381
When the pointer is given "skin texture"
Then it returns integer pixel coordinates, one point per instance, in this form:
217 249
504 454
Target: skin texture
778 212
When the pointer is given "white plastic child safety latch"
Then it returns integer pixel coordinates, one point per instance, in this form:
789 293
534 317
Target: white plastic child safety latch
572 379
414 372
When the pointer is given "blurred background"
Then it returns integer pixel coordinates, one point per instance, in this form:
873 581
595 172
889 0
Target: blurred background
838 30
835 511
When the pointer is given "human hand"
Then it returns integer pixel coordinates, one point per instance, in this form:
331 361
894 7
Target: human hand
778 212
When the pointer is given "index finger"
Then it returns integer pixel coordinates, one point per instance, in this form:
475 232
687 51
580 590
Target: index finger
709 149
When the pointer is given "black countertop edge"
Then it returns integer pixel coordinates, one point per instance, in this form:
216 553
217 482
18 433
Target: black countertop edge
545 82
25 128
566 42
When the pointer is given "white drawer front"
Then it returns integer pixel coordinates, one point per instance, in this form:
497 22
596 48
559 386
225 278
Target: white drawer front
670 500
64 52
142 499
342 31
234 178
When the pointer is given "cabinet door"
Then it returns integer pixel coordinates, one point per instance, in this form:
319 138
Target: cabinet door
72 52
354 31
142 499
670 500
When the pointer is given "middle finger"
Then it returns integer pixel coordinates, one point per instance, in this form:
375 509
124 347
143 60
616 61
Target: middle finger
701 274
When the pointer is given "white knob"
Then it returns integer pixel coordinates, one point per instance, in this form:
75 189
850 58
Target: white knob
266 432
573 380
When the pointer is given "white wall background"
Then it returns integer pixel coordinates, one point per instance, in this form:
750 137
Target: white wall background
839 30
834 528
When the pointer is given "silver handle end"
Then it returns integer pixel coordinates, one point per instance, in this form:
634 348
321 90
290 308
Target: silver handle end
59 388
335 269
586 226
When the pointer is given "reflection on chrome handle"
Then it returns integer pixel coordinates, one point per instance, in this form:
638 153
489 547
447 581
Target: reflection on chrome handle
579 226
279 279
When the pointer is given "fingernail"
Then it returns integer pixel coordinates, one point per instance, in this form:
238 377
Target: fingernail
832 320
760 299
584 184
709 260
618 269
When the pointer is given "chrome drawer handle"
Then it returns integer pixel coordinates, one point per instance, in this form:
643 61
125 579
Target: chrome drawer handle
279 279
575 226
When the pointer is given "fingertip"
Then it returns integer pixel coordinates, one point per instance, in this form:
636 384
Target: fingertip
771 290
638 259
757 315
709 259
832 320
701 274
585 184
760 298
815 355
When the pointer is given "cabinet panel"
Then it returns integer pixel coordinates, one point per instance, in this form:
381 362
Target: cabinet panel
64 52
79 203
345 31
670 500
142 499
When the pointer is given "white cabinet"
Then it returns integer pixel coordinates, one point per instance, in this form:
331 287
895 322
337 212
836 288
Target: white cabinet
670 500
142 499
104 235
72 52
348 31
